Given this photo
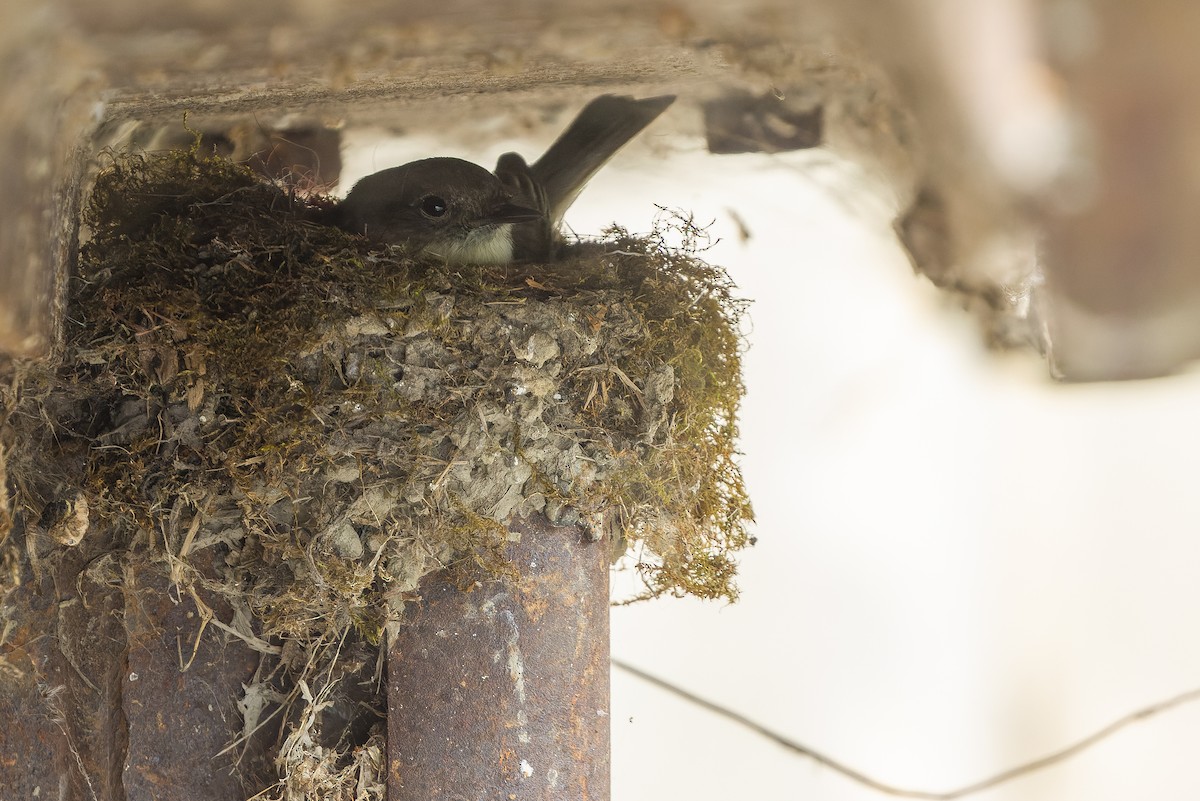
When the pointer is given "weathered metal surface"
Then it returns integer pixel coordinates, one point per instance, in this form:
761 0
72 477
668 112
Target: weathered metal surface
178 721
33 751
501 692
60 705
92 699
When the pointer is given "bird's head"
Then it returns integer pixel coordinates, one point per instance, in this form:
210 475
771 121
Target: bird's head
443 207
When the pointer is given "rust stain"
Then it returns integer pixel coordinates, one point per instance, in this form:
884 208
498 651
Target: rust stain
501 709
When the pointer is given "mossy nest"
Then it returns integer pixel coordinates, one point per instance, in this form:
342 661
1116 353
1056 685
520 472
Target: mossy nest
265 406
237 376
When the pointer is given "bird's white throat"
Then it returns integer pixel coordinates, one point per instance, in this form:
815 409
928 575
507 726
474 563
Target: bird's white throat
488 244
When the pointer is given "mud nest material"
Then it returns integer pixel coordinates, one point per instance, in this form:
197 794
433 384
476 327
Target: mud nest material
333 423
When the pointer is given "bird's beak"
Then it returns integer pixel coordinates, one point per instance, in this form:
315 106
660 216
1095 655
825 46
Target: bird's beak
510 213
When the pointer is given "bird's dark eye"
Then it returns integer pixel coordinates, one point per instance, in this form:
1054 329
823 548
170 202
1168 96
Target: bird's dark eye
433 205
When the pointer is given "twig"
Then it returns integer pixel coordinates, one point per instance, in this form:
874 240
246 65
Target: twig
899 792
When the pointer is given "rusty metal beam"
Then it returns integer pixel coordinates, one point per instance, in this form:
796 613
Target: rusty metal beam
177 721
502 691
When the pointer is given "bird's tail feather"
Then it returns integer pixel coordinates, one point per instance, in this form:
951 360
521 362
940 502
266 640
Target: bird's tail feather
600 130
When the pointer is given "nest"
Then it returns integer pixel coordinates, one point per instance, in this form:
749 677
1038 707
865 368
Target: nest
260 406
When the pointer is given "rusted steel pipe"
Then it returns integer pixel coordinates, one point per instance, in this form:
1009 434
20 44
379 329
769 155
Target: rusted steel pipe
502 691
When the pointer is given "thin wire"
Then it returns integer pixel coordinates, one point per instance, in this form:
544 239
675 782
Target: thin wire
900 792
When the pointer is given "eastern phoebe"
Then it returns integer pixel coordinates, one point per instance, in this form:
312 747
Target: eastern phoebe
459 212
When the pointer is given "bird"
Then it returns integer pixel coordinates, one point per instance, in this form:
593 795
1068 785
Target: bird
456 211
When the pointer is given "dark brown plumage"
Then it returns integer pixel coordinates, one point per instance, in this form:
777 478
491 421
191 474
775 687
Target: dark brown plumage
458 211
